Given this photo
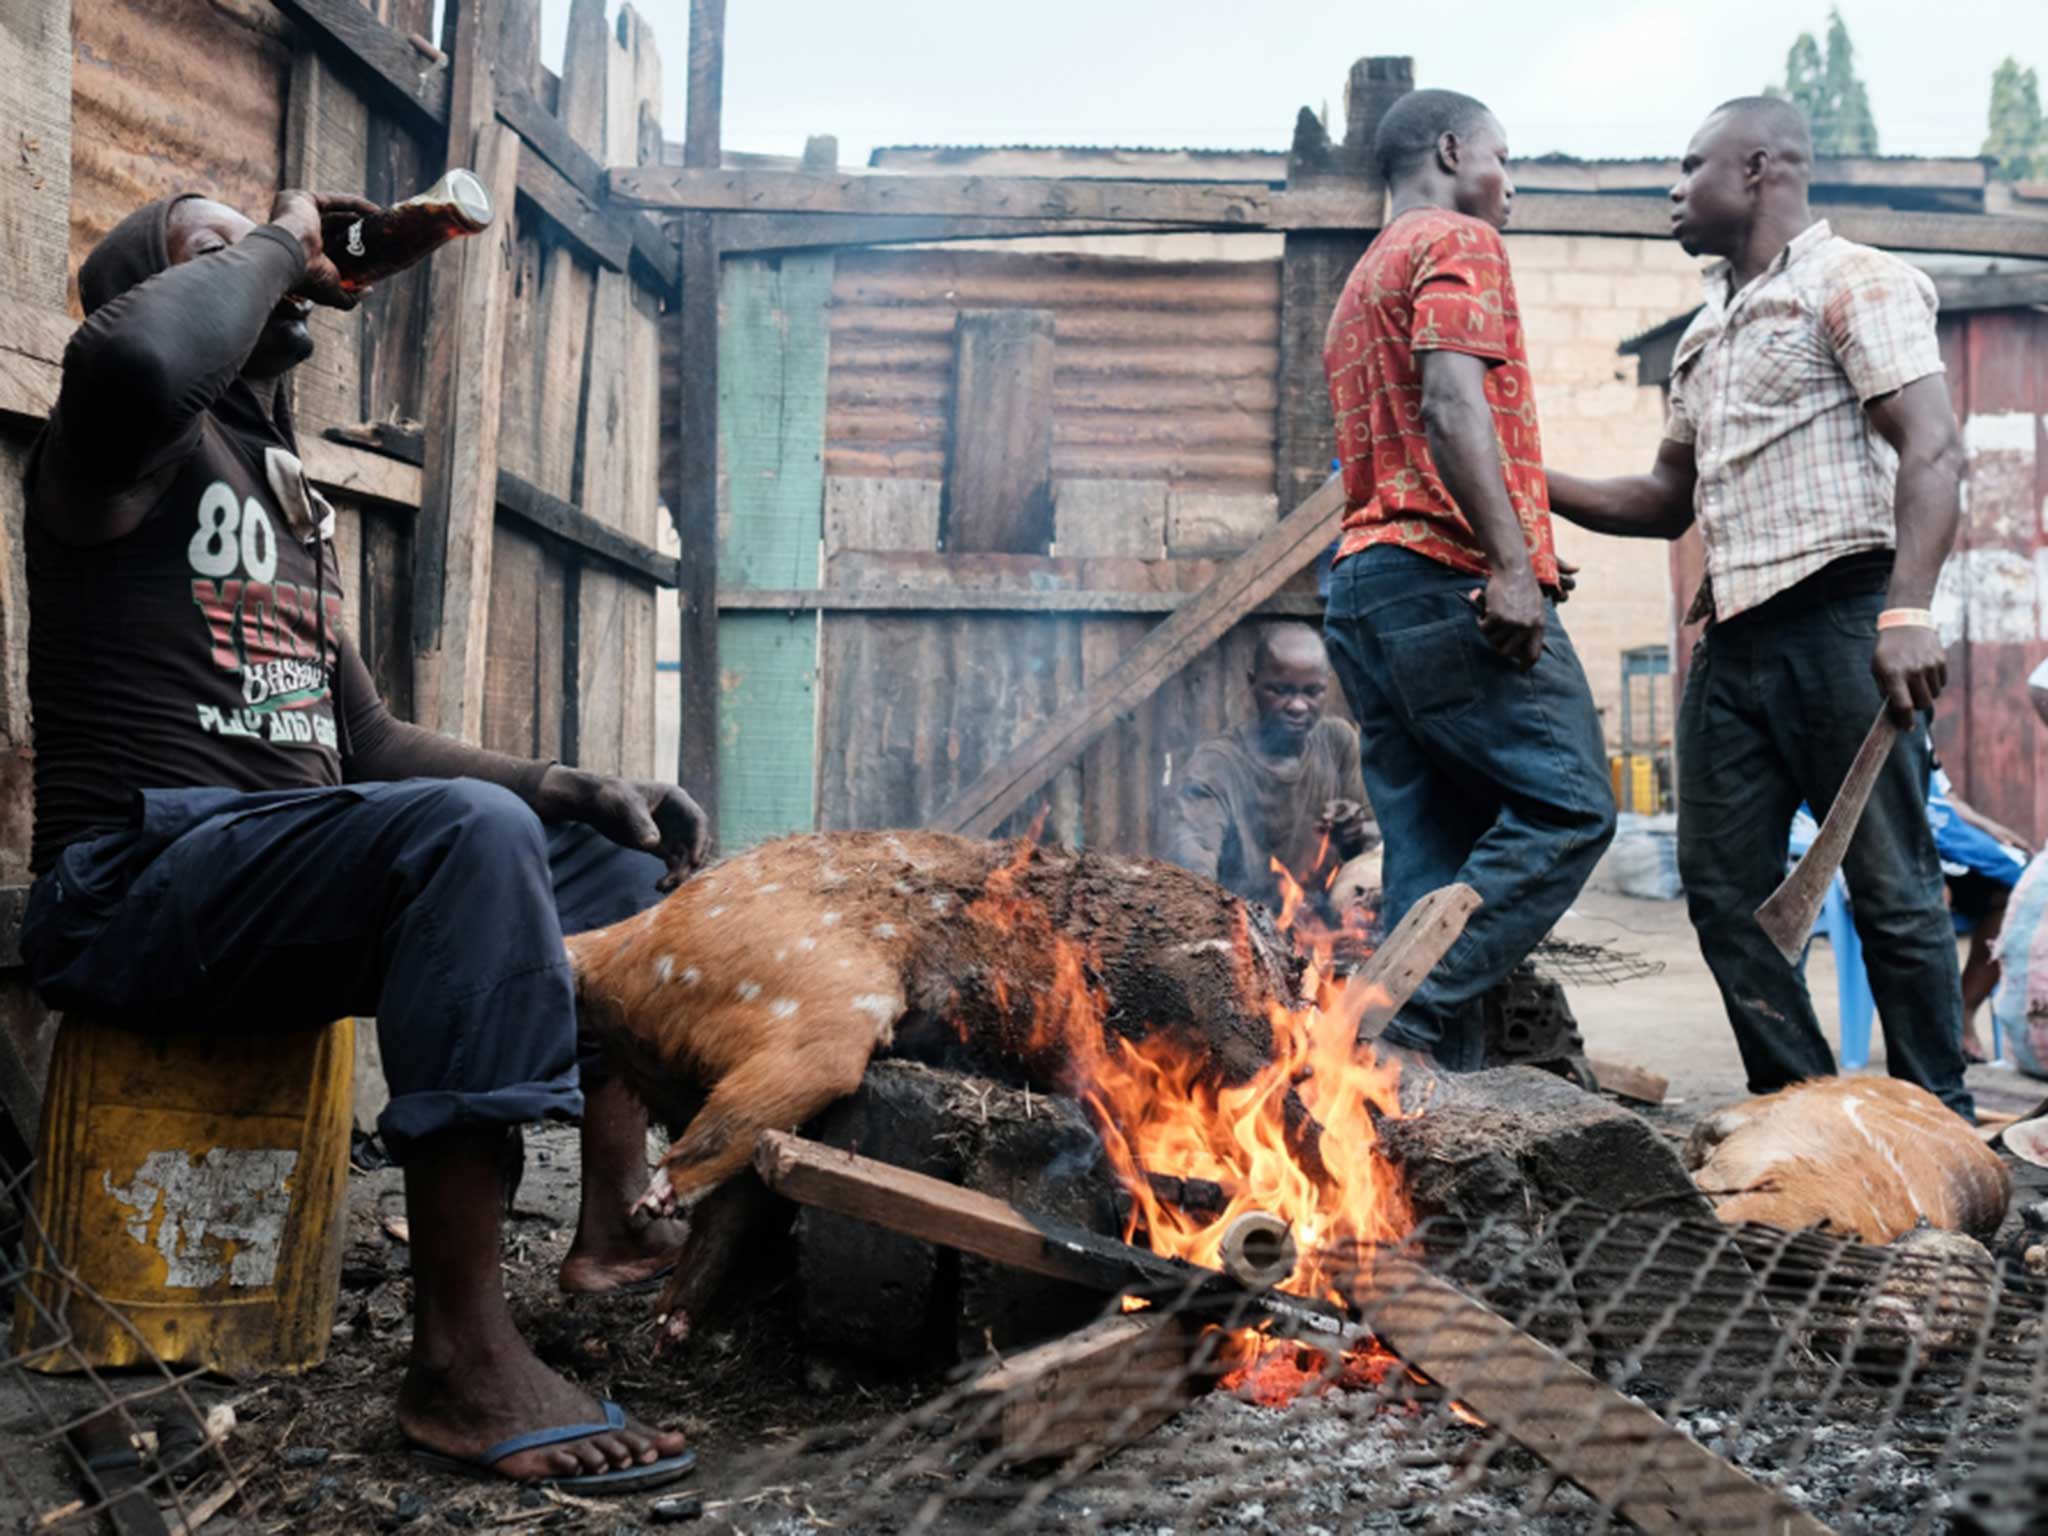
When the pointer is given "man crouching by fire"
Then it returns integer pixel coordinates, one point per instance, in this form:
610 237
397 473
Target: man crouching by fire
226 841
1482 751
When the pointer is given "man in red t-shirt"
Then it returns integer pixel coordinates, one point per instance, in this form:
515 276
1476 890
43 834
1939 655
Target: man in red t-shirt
1482 752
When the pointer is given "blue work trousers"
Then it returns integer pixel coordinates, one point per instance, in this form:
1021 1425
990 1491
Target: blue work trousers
438 905
1478 772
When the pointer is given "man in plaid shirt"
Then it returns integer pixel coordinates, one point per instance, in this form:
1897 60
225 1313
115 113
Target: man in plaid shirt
1812 441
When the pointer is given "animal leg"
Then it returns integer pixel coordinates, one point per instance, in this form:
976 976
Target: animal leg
773 1091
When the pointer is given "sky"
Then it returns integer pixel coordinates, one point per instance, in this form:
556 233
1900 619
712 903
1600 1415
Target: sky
1587 79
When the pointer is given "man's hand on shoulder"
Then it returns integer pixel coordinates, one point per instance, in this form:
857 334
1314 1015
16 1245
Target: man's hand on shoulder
660 819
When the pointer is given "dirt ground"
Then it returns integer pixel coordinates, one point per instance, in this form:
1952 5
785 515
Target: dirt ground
322 1454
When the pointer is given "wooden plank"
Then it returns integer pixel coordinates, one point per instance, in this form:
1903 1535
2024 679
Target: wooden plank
35 151
32 338
458 502
1405 958
998 486
511 706
1245 583
640 92
865 513
955 599
538 512
1243 206
1613 1447
693 497
1629 1082
741 232
1102 1386
384 630
572 194
326 147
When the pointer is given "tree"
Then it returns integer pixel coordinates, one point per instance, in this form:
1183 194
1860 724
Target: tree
2018 134
1825 86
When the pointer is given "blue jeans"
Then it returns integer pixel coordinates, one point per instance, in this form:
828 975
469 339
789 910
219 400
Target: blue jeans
1776 704
438 905
1478 773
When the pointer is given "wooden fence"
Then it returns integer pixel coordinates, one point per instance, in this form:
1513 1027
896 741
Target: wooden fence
488 425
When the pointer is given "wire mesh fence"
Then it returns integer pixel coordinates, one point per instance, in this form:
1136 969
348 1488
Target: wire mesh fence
1588 1371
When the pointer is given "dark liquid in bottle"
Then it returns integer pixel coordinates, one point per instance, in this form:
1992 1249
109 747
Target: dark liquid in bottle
365 248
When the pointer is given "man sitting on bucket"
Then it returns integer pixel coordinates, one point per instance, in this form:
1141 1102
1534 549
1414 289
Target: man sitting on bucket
232 833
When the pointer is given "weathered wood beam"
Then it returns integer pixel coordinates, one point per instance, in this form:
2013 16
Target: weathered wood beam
1244 206
1291 605
997 493
1613 1447
1240 587
693 495
739 233
534 509
1403 962
1097 1388
560 179
1629 1082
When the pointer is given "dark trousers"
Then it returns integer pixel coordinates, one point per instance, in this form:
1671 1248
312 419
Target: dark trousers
438 905
1776 704
1477 772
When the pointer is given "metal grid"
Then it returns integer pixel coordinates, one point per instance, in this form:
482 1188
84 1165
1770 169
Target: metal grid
147 1429
1856 1388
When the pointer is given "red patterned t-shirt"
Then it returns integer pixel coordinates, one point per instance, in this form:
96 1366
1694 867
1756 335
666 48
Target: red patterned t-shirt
1434 280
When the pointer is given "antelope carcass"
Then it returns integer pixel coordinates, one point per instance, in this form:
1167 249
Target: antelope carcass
755 995
1871 1157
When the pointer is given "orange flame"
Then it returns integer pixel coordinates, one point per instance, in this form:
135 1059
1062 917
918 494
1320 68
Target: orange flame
1161 1107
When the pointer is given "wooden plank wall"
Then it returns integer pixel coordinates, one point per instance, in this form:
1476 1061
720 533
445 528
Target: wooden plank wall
112 102
772 353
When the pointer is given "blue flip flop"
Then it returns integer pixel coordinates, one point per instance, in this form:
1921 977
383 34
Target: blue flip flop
655 1474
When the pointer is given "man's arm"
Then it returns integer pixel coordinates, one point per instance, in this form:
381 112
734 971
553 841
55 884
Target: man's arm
1910 663
1458 423
660 819
1653 506
1197 823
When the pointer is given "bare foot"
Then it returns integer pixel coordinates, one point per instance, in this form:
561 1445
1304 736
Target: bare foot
462 1413
610 1253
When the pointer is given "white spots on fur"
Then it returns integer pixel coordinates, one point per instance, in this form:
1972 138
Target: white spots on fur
664 968
806 944
747 991
830 919
845 964
902 888
770 888
781 955
879 1006
885 930
782 1008
691 976
716 912
942 902
1220 946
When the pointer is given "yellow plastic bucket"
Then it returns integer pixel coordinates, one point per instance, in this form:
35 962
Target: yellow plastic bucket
195 1185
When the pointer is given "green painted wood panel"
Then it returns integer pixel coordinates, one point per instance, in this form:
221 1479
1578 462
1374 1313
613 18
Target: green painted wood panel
773 339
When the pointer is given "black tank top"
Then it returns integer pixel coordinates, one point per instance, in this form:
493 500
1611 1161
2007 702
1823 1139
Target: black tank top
182 655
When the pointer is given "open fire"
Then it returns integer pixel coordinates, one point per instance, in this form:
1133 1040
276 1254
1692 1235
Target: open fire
1161 1107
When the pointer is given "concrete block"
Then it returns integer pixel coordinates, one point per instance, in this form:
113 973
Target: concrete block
870 514
1110 517
1650 290
1217 523
1532 286
1548 322
1583 287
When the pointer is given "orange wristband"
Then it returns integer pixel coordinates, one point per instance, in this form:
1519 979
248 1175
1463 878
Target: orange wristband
1907 618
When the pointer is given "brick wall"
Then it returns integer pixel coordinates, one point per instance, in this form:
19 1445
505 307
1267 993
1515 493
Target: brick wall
1581 297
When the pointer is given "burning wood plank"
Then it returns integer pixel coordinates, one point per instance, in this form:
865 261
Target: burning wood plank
1614 1448
1092 1390
1422 937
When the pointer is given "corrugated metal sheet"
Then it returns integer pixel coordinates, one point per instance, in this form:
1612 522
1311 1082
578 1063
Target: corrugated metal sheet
1164 370
170 96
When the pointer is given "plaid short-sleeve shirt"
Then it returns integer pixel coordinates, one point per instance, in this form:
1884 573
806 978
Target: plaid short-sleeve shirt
1433 280
1769 384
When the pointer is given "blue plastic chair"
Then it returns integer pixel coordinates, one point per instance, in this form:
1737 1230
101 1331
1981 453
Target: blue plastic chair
1852 982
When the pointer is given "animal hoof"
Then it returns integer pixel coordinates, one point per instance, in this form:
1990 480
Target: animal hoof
658 1203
